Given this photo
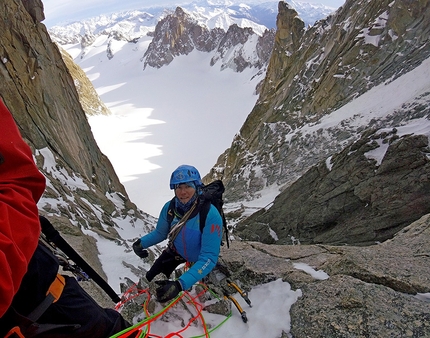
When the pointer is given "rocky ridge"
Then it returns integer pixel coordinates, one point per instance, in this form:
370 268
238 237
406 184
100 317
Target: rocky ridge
180 34
312 73
88 97
239 36
140 22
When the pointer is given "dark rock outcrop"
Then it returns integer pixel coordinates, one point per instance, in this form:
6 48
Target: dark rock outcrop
35 9
179 34
235 39
351 198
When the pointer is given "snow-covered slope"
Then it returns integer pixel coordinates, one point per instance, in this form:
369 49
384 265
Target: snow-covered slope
187 112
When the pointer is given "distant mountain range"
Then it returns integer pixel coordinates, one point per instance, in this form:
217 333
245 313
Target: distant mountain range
143 20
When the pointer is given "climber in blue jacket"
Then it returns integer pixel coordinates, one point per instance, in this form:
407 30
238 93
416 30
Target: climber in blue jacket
179 222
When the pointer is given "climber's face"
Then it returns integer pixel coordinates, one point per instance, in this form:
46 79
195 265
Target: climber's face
184 192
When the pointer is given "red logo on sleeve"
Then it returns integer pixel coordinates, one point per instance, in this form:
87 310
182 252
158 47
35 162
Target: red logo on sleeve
216 228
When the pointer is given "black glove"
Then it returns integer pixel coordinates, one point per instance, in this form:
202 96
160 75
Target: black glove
138 250
167 290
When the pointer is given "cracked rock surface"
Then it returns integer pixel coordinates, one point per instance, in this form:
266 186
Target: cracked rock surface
371 291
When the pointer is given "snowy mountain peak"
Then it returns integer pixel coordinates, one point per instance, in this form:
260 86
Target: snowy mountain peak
206 24
221 14
219 2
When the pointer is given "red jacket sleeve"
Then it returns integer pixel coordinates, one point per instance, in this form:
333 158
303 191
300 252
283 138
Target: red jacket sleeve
21 186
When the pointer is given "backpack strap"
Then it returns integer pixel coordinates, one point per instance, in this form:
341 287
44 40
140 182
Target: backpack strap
27 326
24 327
53 294
14 332
171 211
204 210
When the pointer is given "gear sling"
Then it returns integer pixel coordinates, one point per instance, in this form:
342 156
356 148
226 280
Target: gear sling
52 295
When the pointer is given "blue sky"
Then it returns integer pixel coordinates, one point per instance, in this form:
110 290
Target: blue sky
58 11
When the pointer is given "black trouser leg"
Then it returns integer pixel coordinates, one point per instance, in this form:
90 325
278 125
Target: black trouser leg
166 263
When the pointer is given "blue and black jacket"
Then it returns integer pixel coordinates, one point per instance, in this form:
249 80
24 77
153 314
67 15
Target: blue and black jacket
200 247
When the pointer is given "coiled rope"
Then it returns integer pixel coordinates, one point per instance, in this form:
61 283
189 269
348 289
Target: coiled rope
143 328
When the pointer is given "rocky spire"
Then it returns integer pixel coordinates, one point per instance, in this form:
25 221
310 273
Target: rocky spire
313 73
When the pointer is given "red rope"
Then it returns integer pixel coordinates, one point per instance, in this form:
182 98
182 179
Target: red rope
199 308
134 292
128 295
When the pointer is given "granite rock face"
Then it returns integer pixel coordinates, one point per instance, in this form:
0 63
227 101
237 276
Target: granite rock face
88 97
311 74
179 34
351 198
371 291
83 190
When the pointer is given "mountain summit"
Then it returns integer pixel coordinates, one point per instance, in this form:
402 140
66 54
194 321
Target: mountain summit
132 25
179 34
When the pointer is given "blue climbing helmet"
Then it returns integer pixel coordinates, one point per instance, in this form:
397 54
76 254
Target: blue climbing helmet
183 174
